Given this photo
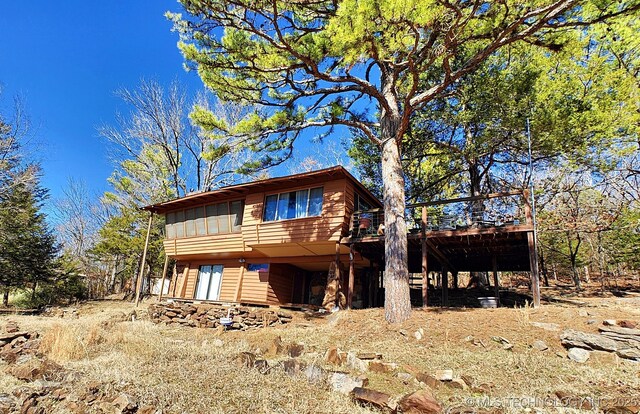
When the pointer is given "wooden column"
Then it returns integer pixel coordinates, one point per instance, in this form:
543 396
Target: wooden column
533 259
370 279
445 287
376 284
182 290
425 274
174 279
454 276
144 258
496 285
164 276
236 296
352 277
338 261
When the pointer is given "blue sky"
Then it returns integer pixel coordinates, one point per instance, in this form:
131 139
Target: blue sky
67 58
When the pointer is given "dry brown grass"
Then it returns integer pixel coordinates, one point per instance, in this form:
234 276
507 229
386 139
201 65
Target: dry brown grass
182 370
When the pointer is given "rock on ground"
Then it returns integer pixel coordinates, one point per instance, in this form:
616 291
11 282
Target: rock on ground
578 354
419 402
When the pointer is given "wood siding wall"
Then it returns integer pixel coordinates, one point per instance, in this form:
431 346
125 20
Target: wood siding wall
189 278
219 243
280 289
329 226
274 286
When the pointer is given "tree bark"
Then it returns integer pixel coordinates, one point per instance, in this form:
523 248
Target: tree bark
573 256
5 298
397 303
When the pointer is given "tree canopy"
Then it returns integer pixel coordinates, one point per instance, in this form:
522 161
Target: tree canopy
367 65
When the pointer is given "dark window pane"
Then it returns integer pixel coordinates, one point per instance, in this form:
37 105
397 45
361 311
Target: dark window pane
201 225
361 204
223 218
180 224
212 219
315 201
171 228
190 222
237 211
291 209
270 205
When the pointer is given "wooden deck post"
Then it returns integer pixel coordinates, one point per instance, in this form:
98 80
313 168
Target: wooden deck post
445 287
496 284
338 261
370 279
237 295
376 284
164 276
533 256
425 274
352 276
174 279
144 258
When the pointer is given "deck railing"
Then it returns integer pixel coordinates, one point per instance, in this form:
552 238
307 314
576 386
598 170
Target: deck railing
485 211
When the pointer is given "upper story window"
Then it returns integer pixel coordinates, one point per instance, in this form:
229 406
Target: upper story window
361 204
294 204
217 218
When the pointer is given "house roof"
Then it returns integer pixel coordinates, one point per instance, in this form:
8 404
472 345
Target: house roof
239 190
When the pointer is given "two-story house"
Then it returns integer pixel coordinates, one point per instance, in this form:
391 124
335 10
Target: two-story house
269 241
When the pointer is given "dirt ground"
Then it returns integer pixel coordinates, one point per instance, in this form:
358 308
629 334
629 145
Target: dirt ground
178 369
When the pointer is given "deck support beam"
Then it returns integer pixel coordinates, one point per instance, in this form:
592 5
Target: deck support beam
164 276
352 276
144 259
376 284
496 283
533 256
445 287
338 275
425 273
174 279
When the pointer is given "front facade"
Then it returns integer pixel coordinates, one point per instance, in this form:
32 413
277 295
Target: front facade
268 242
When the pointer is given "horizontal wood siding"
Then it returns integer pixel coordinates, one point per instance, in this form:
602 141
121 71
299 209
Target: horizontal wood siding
350 201
254 287
280 288
327 227
230 275
219 243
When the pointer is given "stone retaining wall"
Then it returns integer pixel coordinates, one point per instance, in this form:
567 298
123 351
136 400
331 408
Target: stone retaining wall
208 315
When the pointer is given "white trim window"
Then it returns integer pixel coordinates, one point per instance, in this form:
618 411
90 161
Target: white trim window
209 281
293 204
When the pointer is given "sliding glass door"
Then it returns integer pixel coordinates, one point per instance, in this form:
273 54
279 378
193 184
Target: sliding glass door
209 278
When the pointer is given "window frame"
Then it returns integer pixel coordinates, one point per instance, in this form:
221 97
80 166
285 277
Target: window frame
183 224
291 192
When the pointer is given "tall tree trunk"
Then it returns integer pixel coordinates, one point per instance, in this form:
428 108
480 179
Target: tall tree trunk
543 266
573 256
397 303
5 298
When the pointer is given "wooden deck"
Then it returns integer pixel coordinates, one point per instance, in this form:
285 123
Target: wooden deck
498 238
